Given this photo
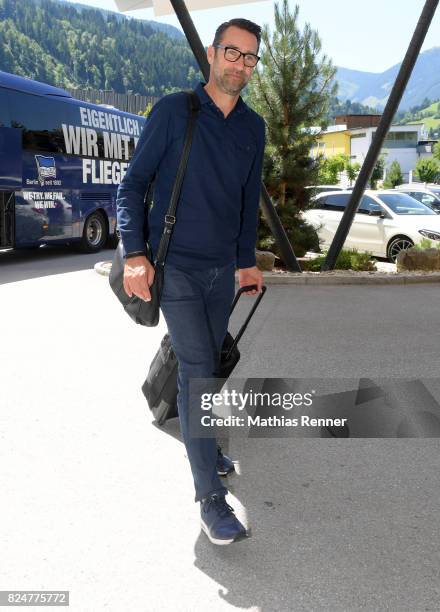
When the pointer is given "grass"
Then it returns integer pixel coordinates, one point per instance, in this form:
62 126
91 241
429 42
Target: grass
426 243
430 120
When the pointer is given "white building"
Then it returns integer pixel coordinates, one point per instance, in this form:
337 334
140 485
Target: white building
401 145
352 135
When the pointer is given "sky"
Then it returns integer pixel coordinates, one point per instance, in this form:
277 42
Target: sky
370 36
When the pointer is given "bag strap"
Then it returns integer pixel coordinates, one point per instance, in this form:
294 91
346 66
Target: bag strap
170 217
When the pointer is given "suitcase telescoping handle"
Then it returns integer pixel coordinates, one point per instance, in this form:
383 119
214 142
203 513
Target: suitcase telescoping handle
249 317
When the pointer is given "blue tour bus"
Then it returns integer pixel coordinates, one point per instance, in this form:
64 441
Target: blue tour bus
61 161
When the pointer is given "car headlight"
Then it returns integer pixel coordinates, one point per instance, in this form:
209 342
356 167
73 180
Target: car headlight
430 234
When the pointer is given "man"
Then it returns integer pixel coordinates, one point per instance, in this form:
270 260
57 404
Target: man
215 232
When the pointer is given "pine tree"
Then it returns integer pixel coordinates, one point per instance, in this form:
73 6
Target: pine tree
394 176
291 89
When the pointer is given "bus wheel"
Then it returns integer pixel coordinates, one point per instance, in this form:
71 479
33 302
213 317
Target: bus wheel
95 233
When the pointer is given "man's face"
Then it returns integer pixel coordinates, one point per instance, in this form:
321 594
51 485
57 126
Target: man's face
232 77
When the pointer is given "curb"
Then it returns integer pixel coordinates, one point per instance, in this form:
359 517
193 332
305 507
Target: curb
103 267
327 278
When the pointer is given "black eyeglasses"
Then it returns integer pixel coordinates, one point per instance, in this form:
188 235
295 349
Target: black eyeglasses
232 55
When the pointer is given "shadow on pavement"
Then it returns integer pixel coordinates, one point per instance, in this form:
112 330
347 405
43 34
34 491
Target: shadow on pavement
24 264
240 568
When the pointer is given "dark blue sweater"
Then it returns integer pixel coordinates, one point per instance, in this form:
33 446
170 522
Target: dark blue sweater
217 214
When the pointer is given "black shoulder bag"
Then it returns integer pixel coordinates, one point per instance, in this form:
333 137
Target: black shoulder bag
147 313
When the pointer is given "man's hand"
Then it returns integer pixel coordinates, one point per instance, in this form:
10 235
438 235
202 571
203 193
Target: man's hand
138 277
250 276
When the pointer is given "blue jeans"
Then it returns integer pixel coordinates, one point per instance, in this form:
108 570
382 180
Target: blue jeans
196 306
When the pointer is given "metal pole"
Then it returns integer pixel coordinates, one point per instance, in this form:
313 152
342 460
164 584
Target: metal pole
192 36
270 214
277 229
381 132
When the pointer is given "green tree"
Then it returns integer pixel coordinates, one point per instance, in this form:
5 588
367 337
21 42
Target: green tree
193 77
62 45
330 168
394 176
352 171
346 107
291 89
427 170
378 171
436 151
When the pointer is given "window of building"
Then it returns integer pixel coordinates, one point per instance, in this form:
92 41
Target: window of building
401 140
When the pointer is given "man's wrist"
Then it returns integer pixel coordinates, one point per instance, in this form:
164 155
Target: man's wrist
135 254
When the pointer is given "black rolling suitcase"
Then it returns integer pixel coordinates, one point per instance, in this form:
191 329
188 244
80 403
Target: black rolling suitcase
160 386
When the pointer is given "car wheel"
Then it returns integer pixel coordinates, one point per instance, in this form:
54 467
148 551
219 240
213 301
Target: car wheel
397 244
95 233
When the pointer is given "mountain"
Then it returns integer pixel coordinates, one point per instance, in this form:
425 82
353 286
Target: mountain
170 30
373 89
427 113
71 45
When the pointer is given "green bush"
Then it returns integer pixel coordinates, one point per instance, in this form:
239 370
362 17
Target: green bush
348 259
427 170
301 235
426 243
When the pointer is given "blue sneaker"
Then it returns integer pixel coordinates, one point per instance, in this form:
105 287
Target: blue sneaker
224 463
219 522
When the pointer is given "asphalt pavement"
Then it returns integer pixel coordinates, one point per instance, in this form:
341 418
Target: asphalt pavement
97 500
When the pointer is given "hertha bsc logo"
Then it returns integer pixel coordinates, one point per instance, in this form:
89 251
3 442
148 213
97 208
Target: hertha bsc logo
46 168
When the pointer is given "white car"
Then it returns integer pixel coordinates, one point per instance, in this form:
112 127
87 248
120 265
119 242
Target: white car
426 194
321 188
385 223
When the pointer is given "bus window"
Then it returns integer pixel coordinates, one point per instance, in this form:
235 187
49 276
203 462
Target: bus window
5 120
40 119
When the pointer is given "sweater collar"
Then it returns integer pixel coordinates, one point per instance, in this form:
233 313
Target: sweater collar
240 106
